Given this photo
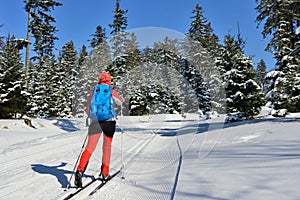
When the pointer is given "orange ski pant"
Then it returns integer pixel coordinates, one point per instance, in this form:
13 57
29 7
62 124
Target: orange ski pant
90 148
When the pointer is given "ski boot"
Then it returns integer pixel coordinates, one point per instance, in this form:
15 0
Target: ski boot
104 177
78 178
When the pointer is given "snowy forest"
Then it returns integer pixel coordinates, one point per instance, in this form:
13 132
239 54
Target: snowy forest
201 72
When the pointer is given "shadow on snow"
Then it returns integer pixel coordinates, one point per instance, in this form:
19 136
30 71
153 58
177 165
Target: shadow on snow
66 125
60 174
204 127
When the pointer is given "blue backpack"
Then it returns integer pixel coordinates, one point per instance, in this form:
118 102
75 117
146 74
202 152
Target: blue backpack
100 107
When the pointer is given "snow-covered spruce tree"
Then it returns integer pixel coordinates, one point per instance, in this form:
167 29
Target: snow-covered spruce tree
132 52
188 92
98 37
281 18
199 47
200 30
126 62
175 73
125 51
217 92
150 85
42 30
166 57
197 70
118 41
126 65
261 73
153 99
118 33
148 93
130 85
100 55
167 65
243 94
12 94
69 68
82 84
135 87
55 89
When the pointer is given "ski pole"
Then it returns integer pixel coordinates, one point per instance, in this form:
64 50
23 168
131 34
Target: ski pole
69 182
122 162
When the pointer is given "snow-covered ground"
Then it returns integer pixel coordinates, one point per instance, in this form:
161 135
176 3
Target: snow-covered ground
164 157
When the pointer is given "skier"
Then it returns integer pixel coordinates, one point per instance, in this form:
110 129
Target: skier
99 125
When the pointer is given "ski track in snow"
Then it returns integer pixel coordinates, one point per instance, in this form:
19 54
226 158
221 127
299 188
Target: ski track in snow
164 157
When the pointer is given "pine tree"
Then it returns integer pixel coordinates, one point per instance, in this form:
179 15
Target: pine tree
70 69
198 70
82 55
82 85
118 33
125 65
90 65
118 40
152 86
42 30
243 94
132 53
261 73
281 19
98 37
199 48
100 54
55 88
200 30
198 26
188 82
12 95
42 26
120 21
167 75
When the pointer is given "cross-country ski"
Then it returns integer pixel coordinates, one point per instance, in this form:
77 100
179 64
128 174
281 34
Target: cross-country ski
80 189
104 182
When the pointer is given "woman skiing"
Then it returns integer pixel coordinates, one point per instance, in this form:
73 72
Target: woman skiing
99 108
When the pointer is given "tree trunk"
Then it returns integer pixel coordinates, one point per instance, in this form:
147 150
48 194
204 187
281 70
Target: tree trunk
27 49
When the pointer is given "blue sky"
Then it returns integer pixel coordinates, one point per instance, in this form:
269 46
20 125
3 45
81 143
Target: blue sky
77 20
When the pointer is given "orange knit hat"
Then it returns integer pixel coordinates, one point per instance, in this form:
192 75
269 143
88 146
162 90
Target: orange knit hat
105 78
